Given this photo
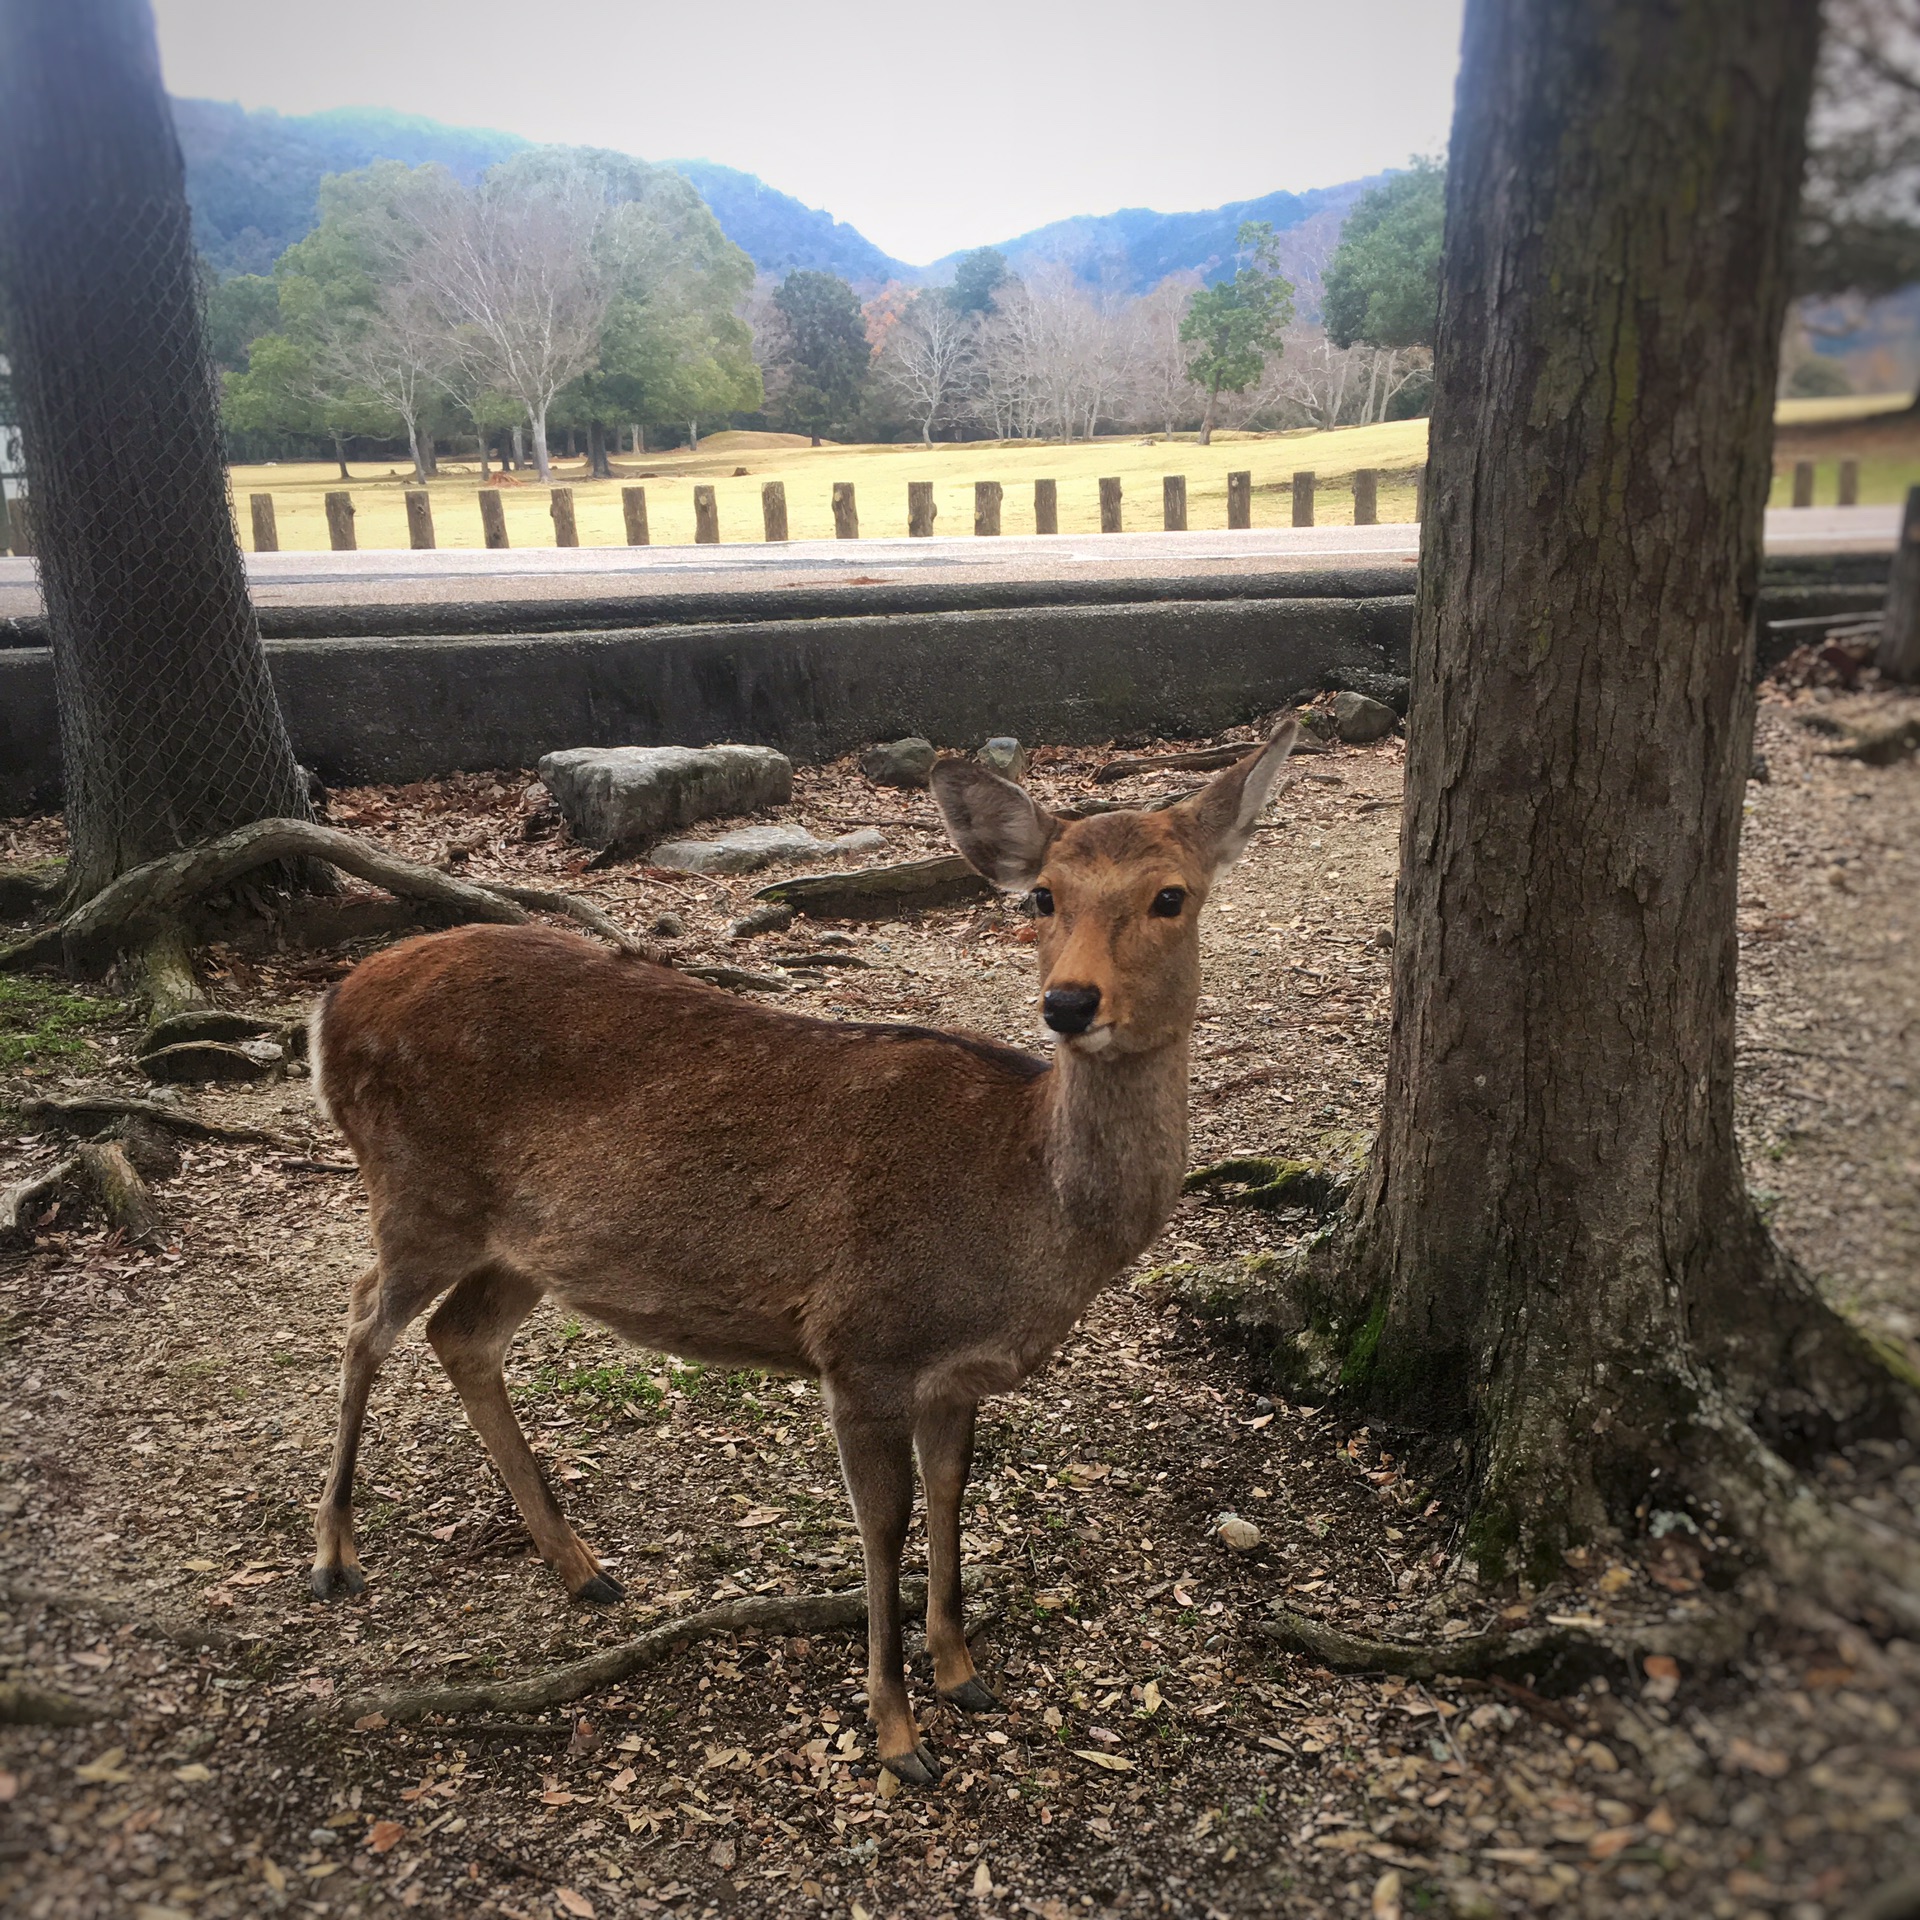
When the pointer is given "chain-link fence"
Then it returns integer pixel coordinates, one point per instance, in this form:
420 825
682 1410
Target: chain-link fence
170 731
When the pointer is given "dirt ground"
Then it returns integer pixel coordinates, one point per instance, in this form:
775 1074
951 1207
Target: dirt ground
166 1414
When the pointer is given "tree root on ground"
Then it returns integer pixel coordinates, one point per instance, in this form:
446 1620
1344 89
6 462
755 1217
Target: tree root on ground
92 1113
1270 1184
1549 1659
100 1170
117 1613
25 1706
766 1613
143 911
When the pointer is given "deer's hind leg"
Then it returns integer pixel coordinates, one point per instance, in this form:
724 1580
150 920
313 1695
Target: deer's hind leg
378 1312
471 1332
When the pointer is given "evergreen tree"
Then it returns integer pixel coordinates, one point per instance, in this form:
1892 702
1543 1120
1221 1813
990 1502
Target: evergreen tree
1383 283
824 354
1234 326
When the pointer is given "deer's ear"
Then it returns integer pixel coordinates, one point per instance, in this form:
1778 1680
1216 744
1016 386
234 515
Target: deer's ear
1000 833
1220 817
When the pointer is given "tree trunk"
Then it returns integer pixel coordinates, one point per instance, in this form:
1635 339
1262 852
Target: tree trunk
413 448
597 463
484 469
541 466
693 436
519 448
1206 419
169 727
340 457
1554 1254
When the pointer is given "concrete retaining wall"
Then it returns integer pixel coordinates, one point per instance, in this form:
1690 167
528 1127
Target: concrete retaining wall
409 708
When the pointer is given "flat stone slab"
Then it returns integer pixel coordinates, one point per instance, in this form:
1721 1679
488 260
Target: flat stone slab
626 798
749 848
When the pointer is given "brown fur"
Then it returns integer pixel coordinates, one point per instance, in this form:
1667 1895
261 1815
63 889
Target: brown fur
915 1219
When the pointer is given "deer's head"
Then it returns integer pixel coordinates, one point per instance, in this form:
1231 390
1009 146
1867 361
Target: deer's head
1117 896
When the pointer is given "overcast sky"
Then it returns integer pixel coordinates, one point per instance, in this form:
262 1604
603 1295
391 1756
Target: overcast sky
927 124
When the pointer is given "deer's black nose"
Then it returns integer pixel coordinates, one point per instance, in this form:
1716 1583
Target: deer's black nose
1070 1009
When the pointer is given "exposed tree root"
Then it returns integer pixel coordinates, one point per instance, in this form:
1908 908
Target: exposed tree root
117 1613
93 1113
768 1613
21 1202
1550 1659
143 912
1270 1184
124 1197
25 1706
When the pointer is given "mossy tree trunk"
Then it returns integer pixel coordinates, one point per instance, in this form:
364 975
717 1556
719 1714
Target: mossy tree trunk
1554 1253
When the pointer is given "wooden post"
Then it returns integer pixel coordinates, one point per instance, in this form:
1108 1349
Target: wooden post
1046 506
706 517
1110 506
1803 483
633 504
1849 483
266 529
1173 502
566 530
1303 499
340 522
419 518
920 509
1366 496
773 509
1898 656
1239 500
986 506
846 515
493 518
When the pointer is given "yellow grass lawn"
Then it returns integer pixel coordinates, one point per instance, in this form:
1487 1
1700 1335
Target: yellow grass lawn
879 475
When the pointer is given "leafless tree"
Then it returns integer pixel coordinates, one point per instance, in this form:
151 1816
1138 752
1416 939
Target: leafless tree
511 270
1160 390
399 353
927 360
1314 376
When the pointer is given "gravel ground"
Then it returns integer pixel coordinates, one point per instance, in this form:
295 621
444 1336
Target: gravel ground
167 1411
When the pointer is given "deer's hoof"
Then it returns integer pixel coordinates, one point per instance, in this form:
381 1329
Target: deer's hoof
330 1583
603 1590
917 1768
975 1696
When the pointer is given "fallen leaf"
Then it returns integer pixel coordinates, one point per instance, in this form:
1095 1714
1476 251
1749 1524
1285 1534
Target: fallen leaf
1749 1758
556 1797
370 1723
1113 1762
9 1784
1150 1696
1241 1535
982 1881
1663 1676
889 1784
1386 1896
322 1870
1615 1580
575 1903
760 1516
106 1770
99 1662
263 1576
272 1875
1347 1840
721 1853
1603 1846
622 1780
200 1566
193 1773
444 1533
384 1835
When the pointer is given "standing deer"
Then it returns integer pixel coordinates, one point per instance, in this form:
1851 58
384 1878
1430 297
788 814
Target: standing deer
914 1219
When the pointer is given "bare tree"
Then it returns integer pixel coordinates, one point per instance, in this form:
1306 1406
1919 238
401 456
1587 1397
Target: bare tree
399 354
1315 376
512 271
927 359
1160 389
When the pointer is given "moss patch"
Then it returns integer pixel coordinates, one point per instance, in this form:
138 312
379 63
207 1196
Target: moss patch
41 1022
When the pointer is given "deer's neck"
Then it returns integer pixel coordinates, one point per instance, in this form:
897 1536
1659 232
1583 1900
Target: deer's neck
1116 1148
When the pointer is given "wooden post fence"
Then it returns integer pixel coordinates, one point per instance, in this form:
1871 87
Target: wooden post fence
773 509
266 529
1046 506
1803 483
1303 499
1239 500
633 508
493 518
340 522
920 509
1110 506
706 517
1366 496
846 513
419 518
1849 483
1173 502
1899 652
566 529
986 506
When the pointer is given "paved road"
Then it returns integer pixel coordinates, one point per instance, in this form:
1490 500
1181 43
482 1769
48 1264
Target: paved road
469 573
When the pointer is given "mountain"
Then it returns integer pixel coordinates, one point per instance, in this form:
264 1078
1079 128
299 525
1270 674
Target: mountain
253 178
779 233
1137 248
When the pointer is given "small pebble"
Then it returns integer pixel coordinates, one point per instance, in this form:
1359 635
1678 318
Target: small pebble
667 926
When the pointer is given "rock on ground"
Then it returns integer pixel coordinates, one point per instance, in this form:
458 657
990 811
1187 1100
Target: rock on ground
1005 756
900 763
1358 718
748 848
628 797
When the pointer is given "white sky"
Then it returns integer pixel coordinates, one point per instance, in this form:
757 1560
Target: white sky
930 125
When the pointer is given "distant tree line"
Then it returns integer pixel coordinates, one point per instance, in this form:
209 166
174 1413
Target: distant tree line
588 295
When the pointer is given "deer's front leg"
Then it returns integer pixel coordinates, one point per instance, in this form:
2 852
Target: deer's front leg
944 1441
876 1456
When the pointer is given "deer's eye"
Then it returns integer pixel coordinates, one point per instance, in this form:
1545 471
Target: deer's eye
1168 902
1042 900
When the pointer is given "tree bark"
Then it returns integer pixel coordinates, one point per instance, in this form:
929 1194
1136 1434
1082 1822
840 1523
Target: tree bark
340 457
538 423
1554 1253
170 730
597 462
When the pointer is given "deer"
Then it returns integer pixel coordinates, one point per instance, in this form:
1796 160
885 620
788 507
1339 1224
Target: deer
915 1219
